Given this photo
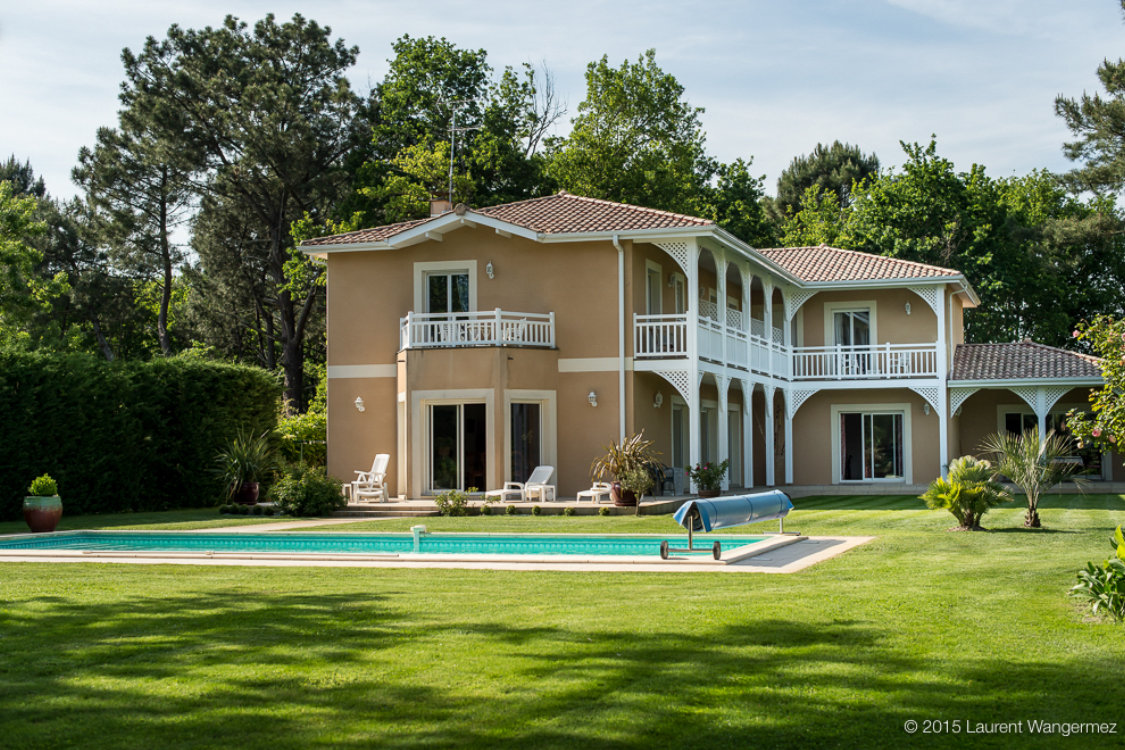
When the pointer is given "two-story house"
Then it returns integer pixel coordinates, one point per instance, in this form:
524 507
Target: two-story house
479 343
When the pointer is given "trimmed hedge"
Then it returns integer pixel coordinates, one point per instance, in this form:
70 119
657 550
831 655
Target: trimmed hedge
123 436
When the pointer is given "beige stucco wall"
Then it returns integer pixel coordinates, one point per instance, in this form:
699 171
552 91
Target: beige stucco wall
892 324
813 427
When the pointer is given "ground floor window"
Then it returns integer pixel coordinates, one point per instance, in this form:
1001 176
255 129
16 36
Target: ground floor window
871 446
457 450
1019 422
527 439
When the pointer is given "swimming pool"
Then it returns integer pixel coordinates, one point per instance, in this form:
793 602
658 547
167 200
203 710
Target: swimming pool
353 543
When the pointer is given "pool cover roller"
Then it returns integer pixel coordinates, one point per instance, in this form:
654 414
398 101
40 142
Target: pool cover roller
725 512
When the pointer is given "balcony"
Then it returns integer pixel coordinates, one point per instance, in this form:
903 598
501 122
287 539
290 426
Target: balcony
480 328
665 337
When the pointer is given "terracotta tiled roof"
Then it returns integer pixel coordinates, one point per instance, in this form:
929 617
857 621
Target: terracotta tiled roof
1024 360
564 213
561 213
373 234
823 263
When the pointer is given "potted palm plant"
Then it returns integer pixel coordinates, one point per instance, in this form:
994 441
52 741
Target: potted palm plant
42 508
623 464
242 465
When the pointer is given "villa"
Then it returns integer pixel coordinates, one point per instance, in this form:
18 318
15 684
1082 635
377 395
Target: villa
477 344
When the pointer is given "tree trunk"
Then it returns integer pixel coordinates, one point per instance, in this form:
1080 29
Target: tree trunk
166 292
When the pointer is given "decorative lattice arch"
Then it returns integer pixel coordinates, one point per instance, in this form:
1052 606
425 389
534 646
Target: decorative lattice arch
794 299
1052 394
931 393
679 252
1030 394
958 396
797 397
929 294
680 380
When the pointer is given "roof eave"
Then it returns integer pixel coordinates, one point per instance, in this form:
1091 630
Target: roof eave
1017 382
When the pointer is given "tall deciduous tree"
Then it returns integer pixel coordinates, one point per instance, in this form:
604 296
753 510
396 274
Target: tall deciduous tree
270 120
18 257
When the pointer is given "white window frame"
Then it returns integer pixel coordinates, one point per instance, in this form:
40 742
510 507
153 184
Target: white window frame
907 440
548 415
679 293
422 483
831 308
423 269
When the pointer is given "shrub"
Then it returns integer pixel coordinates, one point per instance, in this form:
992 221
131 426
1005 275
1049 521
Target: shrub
1032 465
568 511
454 502
43 486
968 492
134 435
246 459
307 492
536 510
603 511
510 510
708 476
1104 585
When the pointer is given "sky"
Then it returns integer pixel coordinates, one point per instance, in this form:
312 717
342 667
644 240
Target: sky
775 78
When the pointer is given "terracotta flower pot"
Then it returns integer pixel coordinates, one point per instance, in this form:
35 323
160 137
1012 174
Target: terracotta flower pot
42 513
709 493
247 493
621 496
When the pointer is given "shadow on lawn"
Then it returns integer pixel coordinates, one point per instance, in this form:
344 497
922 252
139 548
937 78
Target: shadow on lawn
360 670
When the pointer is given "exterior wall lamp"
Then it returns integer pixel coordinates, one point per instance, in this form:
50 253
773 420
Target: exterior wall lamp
592 397
907 308
489 270
359 405
658 400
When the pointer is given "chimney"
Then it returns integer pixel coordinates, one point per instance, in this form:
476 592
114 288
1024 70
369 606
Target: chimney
439 206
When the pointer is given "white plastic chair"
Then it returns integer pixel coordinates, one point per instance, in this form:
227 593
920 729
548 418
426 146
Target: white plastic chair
371 483
595 493
535 486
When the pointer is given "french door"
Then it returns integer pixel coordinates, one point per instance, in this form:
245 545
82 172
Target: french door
871 446
457 451
527 439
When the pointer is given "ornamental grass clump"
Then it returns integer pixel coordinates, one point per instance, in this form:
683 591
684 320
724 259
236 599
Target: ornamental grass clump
968 492
1033 465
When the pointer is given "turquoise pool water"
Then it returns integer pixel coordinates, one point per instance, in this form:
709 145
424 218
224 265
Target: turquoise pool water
348 542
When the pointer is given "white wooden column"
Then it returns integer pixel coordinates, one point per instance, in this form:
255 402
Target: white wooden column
788 437
943 383
748 433
723 451
770 462
721 285
692 282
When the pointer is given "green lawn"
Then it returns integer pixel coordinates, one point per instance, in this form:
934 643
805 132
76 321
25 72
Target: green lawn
919 624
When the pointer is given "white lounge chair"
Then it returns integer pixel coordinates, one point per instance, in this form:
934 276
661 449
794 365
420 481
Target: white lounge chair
535 487
595 493
368 484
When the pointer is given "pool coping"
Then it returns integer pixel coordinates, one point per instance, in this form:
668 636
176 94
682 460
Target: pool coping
790 553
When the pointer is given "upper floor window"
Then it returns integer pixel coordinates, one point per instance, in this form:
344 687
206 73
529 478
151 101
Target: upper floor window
850 323
653 288
444 287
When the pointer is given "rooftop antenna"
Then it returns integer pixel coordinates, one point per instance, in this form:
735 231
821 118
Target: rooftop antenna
453 131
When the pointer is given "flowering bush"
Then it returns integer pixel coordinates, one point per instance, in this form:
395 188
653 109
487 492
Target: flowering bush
708 476
1105 422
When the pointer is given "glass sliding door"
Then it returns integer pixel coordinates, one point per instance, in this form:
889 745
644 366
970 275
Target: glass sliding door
447 292
457 446
852 330
527 439
871 446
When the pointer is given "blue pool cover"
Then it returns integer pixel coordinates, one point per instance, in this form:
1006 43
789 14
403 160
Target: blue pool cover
725 512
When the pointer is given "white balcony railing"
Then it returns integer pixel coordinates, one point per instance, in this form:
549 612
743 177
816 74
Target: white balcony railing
482 328
865 362
665 337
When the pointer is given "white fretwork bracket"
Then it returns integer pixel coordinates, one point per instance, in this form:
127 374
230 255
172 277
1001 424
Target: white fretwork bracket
931 393
796 398
929 294
680 380
794 298
1041 398
958 396
678 250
